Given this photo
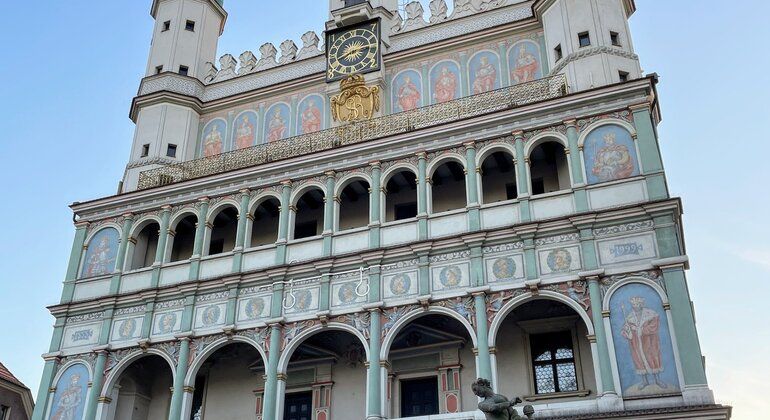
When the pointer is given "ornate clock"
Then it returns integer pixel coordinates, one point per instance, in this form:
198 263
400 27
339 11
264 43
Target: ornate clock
353 50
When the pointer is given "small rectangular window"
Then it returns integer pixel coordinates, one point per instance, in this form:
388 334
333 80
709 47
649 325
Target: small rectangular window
171 151
166 26
189 26
584 39
158 69
553 362
145 150
184 70
623 76
557 53
615 38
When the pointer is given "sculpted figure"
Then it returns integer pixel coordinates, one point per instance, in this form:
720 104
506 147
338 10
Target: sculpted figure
496 406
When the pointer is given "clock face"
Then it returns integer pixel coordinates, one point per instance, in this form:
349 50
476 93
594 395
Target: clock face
353 50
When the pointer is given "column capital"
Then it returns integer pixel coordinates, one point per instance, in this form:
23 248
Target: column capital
245 192
572 122
82 224
469 145
166 208
330 174
678 262
375 164
592 275
518 134
286 183
644 106
204 199
421 154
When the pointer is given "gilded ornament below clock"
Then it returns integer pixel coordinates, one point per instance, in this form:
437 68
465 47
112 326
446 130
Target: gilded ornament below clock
356 101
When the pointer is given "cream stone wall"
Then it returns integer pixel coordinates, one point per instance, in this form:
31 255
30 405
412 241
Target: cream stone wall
230 390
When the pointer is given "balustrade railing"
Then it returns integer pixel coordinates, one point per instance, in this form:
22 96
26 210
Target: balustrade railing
357 132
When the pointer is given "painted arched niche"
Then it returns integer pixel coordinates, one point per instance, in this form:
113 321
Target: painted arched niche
69 400
407 91
610 154
245 130
642 339
276 123
484 72
524 62
213 138
101 254
311 114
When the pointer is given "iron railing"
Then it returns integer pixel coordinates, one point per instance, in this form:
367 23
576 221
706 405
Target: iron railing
357 132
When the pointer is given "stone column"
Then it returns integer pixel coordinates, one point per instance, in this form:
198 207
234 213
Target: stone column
232 306
472 186
375 218
373 389
160 251
96 383
522 177
177 395
482 334
128 221
46 382
271 373
329 199
649 152
240 235
422 195
200 234
76 255
283 223
576 166
605 366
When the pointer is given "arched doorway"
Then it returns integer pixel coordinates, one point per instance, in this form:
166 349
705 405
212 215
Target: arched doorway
143 390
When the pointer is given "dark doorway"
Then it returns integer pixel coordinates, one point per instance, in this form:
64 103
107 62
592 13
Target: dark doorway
419 397
298 406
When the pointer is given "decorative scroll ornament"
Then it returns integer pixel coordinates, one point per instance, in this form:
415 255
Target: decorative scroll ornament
356 101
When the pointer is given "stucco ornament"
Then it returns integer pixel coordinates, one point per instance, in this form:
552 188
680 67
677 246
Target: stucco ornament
356 101
414 16
288 51
227 64
267 59
438 11
209 72
496 406
309 46
248 63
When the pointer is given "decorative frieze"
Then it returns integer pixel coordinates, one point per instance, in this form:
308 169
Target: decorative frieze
624 228
550 240
130 311
169 304
95 316
651 275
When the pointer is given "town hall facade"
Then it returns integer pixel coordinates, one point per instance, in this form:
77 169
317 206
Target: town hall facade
361 226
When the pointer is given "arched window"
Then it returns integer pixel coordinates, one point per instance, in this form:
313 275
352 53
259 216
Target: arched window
498 178
609 154
401 196
448 187
223 232
264 227
548 168
183 241
309 218
146 246
354 205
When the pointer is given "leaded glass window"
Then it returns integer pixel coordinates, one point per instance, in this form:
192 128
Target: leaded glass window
553 362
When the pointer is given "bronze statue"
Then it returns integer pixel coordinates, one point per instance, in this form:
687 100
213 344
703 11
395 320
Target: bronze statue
496 406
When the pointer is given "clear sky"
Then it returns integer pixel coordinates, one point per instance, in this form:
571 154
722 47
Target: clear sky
71 68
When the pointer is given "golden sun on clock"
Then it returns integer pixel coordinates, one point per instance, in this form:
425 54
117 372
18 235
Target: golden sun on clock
353 50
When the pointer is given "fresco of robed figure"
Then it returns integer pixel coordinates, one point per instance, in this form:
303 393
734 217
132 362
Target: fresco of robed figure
246 130
445 82
524 62
407 88
276 127
483 70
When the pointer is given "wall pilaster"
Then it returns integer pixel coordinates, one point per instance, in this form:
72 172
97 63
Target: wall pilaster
200 234
240 235
76 255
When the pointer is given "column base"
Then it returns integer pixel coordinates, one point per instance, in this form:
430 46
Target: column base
372 417
698 395
609 402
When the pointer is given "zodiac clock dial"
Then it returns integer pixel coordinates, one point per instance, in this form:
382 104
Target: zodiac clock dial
353 50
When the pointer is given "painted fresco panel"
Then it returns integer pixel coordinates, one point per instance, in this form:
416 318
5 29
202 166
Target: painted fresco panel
407 91
610 154
101 254
400 285
524 62
71 391
484 72
445 82
504 268
450 277
311 114
253 308
559 260
213 139
167 323
348 293
81 335
127 329
277 121
210 316
633 248
643 346
302 300
245 134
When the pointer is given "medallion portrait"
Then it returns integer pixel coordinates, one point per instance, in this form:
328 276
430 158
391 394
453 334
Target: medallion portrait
71 391
245 130
211 315
254 307
400 284
127 329
407 91
167 323
304 300
276 124
504 268
445 82
213 140
451 276
101 253
610 154
559 260
643 345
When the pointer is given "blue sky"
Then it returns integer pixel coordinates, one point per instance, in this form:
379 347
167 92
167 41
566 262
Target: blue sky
71 69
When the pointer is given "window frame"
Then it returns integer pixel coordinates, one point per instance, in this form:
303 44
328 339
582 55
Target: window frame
189 25
553 325
581 36
145 150
615 39
398 379
559 53
166 26
184 70
169 148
